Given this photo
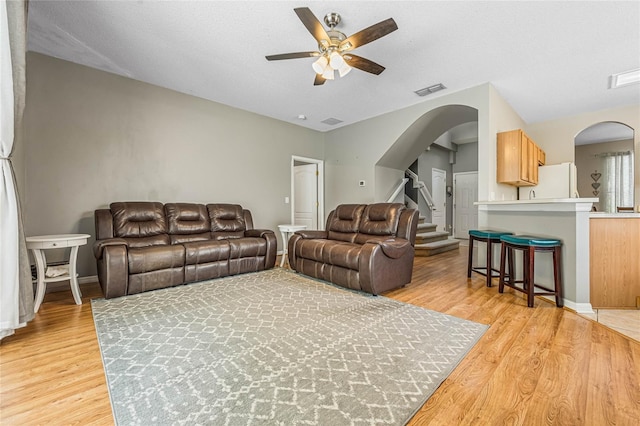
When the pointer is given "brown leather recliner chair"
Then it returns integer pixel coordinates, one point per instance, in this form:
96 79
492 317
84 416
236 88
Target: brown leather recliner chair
364 247
144 246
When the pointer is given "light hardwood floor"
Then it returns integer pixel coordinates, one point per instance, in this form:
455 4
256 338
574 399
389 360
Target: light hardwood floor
534 366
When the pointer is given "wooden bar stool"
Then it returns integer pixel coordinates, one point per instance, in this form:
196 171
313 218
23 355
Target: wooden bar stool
529 245
489 237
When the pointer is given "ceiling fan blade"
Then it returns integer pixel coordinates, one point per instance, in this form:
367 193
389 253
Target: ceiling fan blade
369 34
319 80
363 64
311 22
295 55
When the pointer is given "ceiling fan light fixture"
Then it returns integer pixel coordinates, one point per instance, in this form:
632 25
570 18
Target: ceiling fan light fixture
328 73
320 65
344 70
336 61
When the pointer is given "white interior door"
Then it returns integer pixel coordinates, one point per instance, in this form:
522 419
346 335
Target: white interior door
306 195
439 194
465 213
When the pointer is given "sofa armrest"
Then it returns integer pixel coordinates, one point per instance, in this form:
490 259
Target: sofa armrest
394 247
321 235
98 246
379 270
258 233
113 270
272 244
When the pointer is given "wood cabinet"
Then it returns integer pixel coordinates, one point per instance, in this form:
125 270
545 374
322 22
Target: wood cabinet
518 159
614 267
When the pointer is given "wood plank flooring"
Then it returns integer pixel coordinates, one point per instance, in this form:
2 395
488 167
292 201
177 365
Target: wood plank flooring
534 366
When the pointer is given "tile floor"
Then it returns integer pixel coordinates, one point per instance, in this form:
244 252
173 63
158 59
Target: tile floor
624 321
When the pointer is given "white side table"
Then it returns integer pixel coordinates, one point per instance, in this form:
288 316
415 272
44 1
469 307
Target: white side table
287 231
47 242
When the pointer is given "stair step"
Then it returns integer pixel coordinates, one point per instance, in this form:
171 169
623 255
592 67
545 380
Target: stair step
432 236
430 249
426 227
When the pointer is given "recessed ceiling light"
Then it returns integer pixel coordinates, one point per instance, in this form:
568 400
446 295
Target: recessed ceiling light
624 78
429 90
302 117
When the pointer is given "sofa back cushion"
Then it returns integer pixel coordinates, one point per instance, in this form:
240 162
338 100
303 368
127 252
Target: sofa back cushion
187 222
141 223
227 221
379 222
342 224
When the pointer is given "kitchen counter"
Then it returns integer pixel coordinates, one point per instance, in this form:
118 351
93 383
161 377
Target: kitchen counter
563 218
604 215
540 204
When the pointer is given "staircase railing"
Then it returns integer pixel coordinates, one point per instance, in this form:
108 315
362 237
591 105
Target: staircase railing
422 189
398 190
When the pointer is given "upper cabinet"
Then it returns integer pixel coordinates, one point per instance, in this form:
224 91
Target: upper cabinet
518 159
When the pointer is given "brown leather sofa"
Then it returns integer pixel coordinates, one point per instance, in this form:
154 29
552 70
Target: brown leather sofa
143 246
364 247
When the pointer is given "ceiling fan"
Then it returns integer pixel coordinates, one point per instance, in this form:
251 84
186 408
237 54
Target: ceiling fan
334 48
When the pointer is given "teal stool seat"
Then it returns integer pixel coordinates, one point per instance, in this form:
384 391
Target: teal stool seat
529 245
528 240
488 233
489 237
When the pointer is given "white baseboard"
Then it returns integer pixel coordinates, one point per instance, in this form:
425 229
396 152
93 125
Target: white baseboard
89 279
580 308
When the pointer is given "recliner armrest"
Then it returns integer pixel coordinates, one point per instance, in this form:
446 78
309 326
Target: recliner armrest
313 234
393 248
99 245
259 233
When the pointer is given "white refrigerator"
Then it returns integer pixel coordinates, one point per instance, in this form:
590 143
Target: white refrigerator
554 181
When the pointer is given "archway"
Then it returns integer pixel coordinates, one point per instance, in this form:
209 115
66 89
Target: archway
604 157
410 146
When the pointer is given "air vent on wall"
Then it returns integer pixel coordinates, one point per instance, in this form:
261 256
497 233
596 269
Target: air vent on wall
429 90
331 121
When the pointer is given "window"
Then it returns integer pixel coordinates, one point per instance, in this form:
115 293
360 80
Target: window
617 180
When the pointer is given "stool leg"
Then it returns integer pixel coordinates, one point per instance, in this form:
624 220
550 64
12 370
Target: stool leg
530 280
557 276
470 262
489 262
512 269
503 251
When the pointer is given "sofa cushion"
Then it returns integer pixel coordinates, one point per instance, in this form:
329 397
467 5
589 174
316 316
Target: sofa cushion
343 223
146 259
205 251
138 219
342 254
187 222
227 221
331 252
247 247
379 221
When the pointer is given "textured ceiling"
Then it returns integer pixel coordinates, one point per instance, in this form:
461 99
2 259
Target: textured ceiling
547 59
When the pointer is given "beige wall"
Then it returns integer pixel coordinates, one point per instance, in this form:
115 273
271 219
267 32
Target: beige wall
587 163
94 137
556 137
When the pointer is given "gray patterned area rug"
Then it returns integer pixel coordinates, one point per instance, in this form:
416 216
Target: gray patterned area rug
274 348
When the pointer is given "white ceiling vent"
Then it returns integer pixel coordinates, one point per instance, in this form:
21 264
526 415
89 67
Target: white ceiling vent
331 121
429 90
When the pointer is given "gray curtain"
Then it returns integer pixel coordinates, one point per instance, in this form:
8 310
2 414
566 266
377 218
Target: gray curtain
16 13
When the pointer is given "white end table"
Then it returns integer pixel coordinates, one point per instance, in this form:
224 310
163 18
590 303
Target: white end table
47 242
287 231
